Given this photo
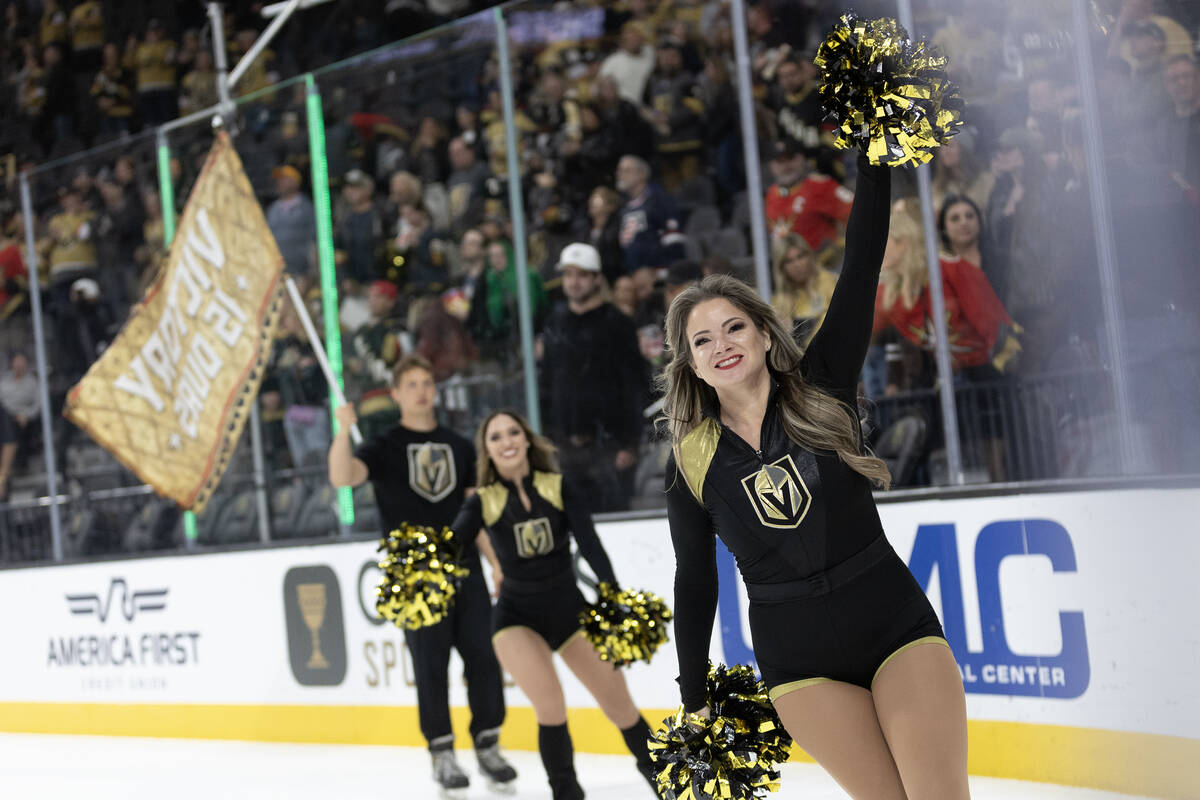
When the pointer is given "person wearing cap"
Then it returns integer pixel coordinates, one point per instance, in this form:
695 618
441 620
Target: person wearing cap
594 383
292 222
1136 14
358 229
805 202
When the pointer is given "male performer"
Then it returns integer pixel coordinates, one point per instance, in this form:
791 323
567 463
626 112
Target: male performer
421 472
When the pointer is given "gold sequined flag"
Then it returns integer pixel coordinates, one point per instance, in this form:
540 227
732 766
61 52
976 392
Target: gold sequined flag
171 394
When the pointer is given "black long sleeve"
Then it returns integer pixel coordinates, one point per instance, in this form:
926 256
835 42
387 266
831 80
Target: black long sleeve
584 531
695 586
835 355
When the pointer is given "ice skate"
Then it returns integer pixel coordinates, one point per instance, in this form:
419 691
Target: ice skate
449 775
499 774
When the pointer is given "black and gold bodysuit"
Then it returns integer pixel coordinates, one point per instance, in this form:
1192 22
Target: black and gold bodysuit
534 550
829 598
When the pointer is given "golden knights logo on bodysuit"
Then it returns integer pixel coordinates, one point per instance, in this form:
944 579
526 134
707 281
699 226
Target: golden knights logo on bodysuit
431 472
534 537
778 494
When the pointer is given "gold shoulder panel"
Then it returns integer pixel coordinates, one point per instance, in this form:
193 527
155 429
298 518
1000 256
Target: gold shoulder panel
494 497
696 452
549 486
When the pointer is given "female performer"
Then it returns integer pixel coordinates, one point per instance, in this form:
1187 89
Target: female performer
529 513
768 454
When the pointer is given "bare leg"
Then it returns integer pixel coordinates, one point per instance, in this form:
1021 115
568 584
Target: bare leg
835 723
527 657
923 714
604 681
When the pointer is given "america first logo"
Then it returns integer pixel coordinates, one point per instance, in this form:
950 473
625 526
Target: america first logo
778 494
534 537
431 472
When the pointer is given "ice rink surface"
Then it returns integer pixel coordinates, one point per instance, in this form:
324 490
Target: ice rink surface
45 767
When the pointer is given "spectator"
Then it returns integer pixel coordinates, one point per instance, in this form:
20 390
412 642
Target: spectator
198 89
721 126
1179 133
423 252
86 24
650 234
960 226
154 62
442 337
680 275
358 230
465 186
376 347
594 382
802 288
601 229
678 115
631 65
493 320
1130 24
112 93
427 157
292 222
14 277
404 189
957 170
72 253
56 123
295 386
118 234
625 296
55 26
804 202
87 330
472 261
19 411
796 102
981 332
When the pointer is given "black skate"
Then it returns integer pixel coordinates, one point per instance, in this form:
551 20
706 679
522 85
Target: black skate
500 775
448 774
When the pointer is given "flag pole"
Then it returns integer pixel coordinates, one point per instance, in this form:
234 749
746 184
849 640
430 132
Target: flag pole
318 350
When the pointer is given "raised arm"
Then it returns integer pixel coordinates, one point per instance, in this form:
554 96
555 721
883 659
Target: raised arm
835 355
695 587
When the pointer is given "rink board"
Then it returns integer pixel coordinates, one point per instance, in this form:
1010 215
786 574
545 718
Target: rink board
1072 617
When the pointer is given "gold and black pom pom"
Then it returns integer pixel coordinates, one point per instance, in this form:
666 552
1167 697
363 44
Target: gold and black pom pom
420 576
890 96
735 754
626 625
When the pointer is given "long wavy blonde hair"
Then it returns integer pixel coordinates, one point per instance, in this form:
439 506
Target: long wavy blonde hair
909 277
542 451
811 418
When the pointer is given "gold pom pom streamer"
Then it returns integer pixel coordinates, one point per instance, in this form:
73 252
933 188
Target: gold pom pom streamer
626 625
890 96
735 755
420 576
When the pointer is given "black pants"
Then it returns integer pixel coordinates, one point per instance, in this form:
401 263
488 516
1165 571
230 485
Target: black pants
468 629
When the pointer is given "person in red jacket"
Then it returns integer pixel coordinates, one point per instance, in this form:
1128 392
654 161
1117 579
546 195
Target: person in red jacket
805 202
980 330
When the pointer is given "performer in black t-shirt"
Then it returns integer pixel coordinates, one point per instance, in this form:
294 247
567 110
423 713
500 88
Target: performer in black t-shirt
421 473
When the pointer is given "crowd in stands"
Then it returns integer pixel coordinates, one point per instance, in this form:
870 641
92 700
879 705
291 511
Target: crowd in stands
633 181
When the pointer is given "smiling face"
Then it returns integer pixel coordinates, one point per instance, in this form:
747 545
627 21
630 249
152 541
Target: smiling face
726 347
507 445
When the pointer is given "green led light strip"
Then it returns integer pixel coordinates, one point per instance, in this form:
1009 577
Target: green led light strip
329 299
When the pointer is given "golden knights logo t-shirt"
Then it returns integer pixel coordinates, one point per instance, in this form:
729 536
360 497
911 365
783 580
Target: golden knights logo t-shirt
420 477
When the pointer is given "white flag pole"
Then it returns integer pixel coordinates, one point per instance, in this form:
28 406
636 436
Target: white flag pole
318 348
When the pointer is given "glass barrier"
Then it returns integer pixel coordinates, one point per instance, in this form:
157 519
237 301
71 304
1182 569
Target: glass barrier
1073 344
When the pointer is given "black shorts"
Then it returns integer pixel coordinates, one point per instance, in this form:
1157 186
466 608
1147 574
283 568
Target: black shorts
842 625
550 611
